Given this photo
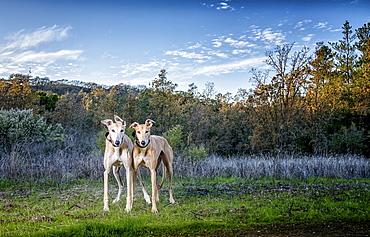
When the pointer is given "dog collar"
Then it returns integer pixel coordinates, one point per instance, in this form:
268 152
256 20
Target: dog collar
138 144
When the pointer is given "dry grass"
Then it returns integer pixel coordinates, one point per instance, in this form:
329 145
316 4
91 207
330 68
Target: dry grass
262 166
78 158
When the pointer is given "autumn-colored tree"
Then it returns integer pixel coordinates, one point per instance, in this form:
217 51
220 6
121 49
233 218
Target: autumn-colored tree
278 104
16 93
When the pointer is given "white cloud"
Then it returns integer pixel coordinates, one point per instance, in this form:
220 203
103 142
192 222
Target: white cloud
300 24
218 54
241 51
195 46
21 52
224 6
107 55
308 37
267 36
216 43
131 69
238 43
230 67
31 56
188 55
21 40
321 25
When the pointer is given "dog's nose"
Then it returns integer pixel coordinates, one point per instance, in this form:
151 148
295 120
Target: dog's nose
143 143
117 143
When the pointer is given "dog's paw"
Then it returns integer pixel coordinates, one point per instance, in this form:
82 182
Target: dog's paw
154 210
116 200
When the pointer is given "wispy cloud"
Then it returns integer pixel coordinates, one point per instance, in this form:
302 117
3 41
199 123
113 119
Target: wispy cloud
189 55
321 25
230 67
218 54
308 37
23 40
222 5
238 43
267 35
40 57
20 52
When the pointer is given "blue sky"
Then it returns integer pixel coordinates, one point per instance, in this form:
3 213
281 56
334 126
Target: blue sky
196 41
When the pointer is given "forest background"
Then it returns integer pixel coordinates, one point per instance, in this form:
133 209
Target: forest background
305 104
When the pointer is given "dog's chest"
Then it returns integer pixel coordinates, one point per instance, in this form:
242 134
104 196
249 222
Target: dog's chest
119 157
143 159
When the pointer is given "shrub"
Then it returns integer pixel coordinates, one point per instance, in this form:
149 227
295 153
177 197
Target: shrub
196 152
18 126
348 140
174 137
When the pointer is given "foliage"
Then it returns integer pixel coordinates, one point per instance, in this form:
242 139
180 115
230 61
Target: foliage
196 152
21 126
174 136
348 140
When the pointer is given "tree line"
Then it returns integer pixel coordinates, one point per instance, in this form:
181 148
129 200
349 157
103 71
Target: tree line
305 103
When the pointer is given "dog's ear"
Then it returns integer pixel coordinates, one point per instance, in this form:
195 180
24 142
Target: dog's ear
134 134
149 123
107 122
134 125
119 120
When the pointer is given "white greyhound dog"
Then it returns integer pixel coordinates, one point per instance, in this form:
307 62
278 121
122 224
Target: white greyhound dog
118 153
149 151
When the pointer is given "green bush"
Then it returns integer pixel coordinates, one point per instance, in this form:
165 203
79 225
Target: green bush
348 140
21 125
174 137
196 152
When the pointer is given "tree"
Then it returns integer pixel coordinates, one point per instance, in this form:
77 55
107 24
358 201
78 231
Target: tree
345 54
362 84
278 104
17 93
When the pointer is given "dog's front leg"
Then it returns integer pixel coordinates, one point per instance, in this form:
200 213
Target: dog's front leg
106 181
146 195
129 178
153 174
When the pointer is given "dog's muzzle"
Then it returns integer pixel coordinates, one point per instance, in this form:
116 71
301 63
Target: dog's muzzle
116 143
142 143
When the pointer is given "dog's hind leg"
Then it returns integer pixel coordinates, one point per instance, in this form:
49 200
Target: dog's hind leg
119 181
168 164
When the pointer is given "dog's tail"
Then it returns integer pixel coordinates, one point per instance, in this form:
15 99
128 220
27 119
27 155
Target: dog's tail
163 176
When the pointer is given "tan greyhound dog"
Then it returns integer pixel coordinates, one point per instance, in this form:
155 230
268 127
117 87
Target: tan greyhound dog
149 151
118 153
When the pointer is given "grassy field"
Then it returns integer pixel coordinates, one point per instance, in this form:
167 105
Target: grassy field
204 207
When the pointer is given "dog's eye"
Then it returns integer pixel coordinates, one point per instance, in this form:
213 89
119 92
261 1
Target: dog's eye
121 130
146 131
113 130
138 132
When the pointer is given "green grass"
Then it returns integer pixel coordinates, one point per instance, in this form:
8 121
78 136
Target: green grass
220 206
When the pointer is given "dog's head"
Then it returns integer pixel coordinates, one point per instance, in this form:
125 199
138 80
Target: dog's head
116 131
141 132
